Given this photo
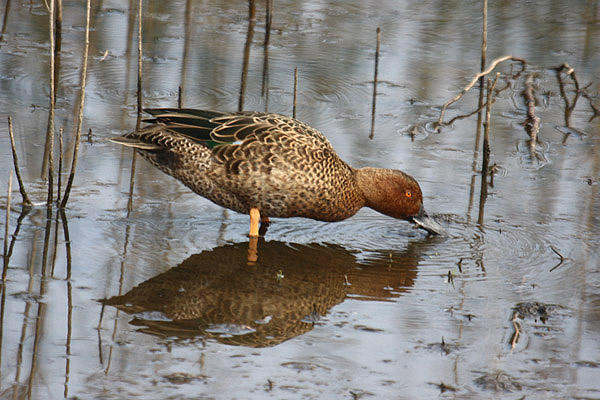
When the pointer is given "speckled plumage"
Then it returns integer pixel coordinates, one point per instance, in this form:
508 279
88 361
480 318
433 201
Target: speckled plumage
276 164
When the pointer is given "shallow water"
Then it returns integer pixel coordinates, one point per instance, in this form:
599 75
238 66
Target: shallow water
160 302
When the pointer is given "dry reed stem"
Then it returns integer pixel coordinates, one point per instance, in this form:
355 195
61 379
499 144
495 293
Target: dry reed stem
295 92
474 81
484 37
139 77
486 132
264 90
81 106
57 44
247 47
485 158
375 83
186 50
4 21
139 108
50 128
26 200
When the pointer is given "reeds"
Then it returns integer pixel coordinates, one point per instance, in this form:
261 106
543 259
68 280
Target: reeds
265 73
63 204
375 76
52 91
247 46
140 108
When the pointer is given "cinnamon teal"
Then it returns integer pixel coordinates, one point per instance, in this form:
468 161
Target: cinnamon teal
269 165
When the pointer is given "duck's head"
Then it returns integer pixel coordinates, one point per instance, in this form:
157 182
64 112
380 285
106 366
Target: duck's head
394 193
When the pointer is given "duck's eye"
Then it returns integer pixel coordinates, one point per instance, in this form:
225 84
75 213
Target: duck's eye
408 194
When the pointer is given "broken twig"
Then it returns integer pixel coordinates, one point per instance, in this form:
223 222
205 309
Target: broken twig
474 81
562 259
515 337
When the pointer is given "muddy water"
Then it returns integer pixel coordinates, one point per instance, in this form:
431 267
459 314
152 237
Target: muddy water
160 302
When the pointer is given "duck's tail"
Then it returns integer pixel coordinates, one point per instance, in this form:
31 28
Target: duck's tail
134 142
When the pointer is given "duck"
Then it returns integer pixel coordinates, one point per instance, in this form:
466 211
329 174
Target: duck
269 165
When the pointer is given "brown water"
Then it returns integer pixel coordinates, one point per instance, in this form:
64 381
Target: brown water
160 303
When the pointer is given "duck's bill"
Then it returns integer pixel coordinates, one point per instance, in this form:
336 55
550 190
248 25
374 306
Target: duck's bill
422 220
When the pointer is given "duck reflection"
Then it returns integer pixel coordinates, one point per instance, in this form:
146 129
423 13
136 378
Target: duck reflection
215 294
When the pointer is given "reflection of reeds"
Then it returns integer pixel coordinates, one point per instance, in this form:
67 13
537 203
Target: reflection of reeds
5 264
60 164
26 201
50 173
81 105
6 229
295 92
375 84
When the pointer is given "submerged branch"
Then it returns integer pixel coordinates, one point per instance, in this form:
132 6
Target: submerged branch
532 123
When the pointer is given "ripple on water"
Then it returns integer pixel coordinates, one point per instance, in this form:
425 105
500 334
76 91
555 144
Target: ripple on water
524 259
363 232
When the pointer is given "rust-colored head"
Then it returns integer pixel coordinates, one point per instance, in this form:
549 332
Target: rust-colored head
394 193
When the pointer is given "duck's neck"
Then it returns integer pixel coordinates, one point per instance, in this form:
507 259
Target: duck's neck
370 182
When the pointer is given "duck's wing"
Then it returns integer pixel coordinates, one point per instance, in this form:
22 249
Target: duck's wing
213 128
228 135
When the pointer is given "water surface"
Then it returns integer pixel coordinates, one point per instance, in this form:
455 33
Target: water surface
160 302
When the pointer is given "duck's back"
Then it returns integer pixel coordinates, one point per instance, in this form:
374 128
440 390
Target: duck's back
277 164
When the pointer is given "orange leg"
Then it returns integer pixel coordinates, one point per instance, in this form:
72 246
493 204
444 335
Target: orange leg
254 218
